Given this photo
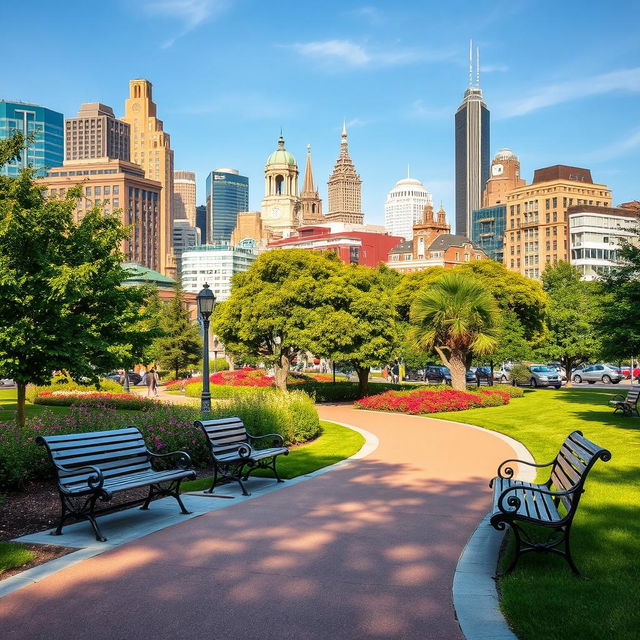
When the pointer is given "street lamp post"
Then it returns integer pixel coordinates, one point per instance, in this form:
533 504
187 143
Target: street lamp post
206 300
216 344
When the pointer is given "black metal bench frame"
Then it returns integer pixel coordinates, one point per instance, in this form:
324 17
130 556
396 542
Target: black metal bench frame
232 453
516 502
627 404
124 448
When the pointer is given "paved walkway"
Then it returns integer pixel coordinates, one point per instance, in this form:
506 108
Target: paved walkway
366 551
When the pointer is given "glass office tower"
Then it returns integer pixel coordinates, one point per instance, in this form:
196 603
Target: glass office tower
487 230
48 149
227 195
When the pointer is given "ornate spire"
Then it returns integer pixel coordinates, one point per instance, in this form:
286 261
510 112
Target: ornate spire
281 141
345 187
308 186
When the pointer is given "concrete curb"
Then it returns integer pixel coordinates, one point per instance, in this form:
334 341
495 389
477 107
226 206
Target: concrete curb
198 505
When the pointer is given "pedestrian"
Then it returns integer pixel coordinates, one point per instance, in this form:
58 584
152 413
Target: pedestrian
395 373
152 382
385 373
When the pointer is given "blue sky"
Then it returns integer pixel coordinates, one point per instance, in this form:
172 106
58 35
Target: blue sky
562 81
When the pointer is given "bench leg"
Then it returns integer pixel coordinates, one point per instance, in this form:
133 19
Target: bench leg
176 495
568 556
147 502
516 557
215 479
275 471
92 519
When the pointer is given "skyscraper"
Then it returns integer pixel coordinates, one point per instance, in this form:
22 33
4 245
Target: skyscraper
405 206
310 202
472 124
151 149
201 222
185 236
345 187
227 195
96 133
48 148
184 196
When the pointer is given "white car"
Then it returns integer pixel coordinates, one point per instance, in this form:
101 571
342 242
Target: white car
6 382
503 373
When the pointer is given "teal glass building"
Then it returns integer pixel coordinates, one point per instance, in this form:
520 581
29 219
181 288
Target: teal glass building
48 149
227 195
487 229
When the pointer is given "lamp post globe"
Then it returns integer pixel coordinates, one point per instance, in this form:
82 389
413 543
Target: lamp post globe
206 301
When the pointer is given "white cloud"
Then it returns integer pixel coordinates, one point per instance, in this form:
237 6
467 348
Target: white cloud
629 143
493 68
357 122
625 80
188 14
346 54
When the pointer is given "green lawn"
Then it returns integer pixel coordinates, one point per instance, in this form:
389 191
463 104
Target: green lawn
13 555
542 599
8 407
335 443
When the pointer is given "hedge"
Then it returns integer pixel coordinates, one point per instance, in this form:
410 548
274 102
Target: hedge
123 401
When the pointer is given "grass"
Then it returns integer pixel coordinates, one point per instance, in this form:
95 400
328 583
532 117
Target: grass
542 599
335 443
13 555
8 406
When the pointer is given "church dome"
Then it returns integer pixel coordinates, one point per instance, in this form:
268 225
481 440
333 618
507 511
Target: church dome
410 186
505 154
281 155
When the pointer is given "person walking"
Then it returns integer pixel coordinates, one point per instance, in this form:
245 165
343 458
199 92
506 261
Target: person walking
395 371
152 382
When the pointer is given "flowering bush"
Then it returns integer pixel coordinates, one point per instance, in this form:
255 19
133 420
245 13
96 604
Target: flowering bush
181 383
63 383
429 401
126 401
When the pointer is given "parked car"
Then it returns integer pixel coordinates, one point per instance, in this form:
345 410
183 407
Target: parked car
559 368
543 376
6 382
118 376
597 373
503 373
437 374
470 377
483 373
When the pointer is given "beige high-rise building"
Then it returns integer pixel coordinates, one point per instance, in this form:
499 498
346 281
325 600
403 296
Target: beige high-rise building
121 188
345 186
151 149
310 202
96 133
184 196
536 224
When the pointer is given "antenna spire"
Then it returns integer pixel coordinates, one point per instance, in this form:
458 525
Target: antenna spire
470 63
478 66
408 172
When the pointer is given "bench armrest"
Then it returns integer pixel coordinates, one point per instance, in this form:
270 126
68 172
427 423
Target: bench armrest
184 459
278 440
95 481
507 472
514 502
619 397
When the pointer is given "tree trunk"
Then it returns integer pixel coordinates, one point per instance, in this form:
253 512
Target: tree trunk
281 371
177 373
232 361
363 381
458 369
568 369
22 396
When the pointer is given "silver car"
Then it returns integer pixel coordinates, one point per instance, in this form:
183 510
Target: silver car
597 373
542 376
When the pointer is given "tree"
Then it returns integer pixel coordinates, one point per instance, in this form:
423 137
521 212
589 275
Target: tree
512 343
63 305
455 316
272 306
356 323
181 345
572 318
620 293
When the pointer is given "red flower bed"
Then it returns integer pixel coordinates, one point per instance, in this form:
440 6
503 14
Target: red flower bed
432 401
128 401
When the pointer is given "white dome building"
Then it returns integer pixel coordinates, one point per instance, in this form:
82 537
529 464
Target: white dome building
404 206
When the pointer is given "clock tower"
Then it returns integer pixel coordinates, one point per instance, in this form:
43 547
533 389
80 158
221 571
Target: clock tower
504 176
281 205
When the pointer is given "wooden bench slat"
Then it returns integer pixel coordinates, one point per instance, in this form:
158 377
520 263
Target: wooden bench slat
573 460
107 452
573 475
95 436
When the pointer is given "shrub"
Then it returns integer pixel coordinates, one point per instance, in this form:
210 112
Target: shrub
514 392
194 390
64 383
429 401
520 374
124 401
343 391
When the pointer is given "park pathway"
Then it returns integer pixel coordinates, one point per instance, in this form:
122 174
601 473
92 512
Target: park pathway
365 551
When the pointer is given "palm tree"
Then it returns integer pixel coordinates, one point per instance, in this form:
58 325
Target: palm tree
455 316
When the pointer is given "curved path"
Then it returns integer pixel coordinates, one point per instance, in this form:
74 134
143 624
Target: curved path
366 551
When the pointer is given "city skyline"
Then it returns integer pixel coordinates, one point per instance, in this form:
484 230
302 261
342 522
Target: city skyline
570 102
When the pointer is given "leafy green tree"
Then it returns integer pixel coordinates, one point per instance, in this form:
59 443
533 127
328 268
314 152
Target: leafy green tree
273 304
512 343
572 318
63 306
620 294
355 324
456 316
180 345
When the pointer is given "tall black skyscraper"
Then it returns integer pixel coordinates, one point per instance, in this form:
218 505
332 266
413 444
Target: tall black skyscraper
472 150
201 222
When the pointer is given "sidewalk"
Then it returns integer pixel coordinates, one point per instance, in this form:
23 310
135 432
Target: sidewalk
366 551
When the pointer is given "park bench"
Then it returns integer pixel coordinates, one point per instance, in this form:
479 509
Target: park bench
551 504
93 466
627 405
234 452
